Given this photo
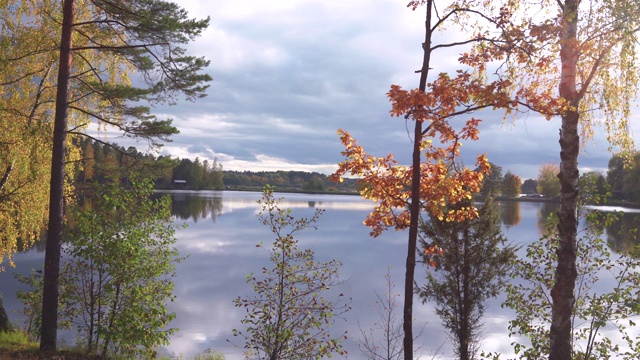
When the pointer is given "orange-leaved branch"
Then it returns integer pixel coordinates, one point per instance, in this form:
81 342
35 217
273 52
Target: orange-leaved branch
385 181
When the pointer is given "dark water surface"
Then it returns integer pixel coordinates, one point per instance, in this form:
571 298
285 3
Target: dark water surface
220 239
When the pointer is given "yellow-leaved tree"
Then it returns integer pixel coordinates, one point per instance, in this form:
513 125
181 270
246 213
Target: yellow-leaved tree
575 60
27 96
101 44
65 64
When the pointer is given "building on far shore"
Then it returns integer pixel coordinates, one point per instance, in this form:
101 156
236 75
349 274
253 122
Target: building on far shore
178 184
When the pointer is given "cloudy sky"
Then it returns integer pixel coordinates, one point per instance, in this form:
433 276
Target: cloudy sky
289 73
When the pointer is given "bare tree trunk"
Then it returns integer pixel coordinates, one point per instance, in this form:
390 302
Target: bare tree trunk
6 175
415 208
48 331
466 300
566 273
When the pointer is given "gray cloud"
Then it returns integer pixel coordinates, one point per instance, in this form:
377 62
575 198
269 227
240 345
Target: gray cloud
288 74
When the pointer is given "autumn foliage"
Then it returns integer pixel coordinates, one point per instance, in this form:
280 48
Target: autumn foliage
388 183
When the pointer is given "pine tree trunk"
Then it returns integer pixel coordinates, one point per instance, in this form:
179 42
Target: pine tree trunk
566 273
48 330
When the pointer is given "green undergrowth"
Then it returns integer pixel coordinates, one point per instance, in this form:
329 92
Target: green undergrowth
16 345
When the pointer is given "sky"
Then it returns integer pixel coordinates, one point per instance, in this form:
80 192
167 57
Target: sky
287 74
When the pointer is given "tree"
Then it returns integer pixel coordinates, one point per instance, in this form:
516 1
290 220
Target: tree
630 186
27 90
576 57
217 175
120 263
383 341
5 325
593 187
530 186
403 193
289 316
548 182
511 185
493 183
123 37
615 174
602 298
471 260
88 162
314 184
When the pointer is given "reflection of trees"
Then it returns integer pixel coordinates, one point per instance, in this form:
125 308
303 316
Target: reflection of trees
622 236
544 211
196 207
510 214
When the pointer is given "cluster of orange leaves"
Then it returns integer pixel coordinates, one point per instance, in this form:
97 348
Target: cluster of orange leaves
431 253
386 182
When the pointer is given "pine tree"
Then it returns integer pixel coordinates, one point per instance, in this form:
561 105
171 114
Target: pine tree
470 260
113 39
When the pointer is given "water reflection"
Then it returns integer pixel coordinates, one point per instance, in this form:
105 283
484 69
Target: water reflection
622 232
545 210
194 207
510 214
222 253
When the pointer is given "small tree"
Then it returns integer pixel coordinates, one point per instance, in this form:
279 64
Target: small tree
611 307
31 300
594 187
101 43
511 185
383 341
530 186
548 181
289 316
469 263
121 260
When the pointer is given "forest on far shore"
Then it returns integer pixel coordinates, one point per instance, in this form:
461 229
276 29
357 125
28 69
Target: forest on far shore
108 163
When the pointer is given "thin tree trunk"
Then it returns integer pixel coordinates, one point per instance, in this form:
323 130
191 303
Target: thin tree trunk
566 273
465 301
6 175
48 330
415 208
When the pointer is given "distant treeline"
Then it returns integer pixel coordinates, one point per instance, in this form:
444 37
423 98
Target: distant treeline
287 181
108 163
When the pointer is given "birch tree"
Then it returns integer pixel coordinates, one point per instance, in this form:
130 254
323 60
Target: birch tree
576 60
27 90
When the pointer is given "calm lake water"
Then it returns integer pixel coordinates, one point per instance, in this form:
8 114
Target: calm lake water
220 239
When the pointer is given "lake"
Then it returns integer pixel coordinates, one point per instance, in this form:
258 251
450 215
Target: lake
220 239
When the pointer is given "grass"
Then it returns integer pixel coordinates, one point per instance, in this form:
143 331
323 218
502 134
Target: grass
16 340
16 345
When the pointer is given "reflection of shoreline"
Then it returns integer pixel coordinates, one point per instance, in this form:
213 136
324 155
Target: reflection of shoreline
620 205
612 208
527 199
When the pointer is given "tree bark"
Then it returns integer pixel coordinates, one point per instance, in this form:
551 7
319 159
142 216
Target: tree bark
414 207
48 330
562 293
